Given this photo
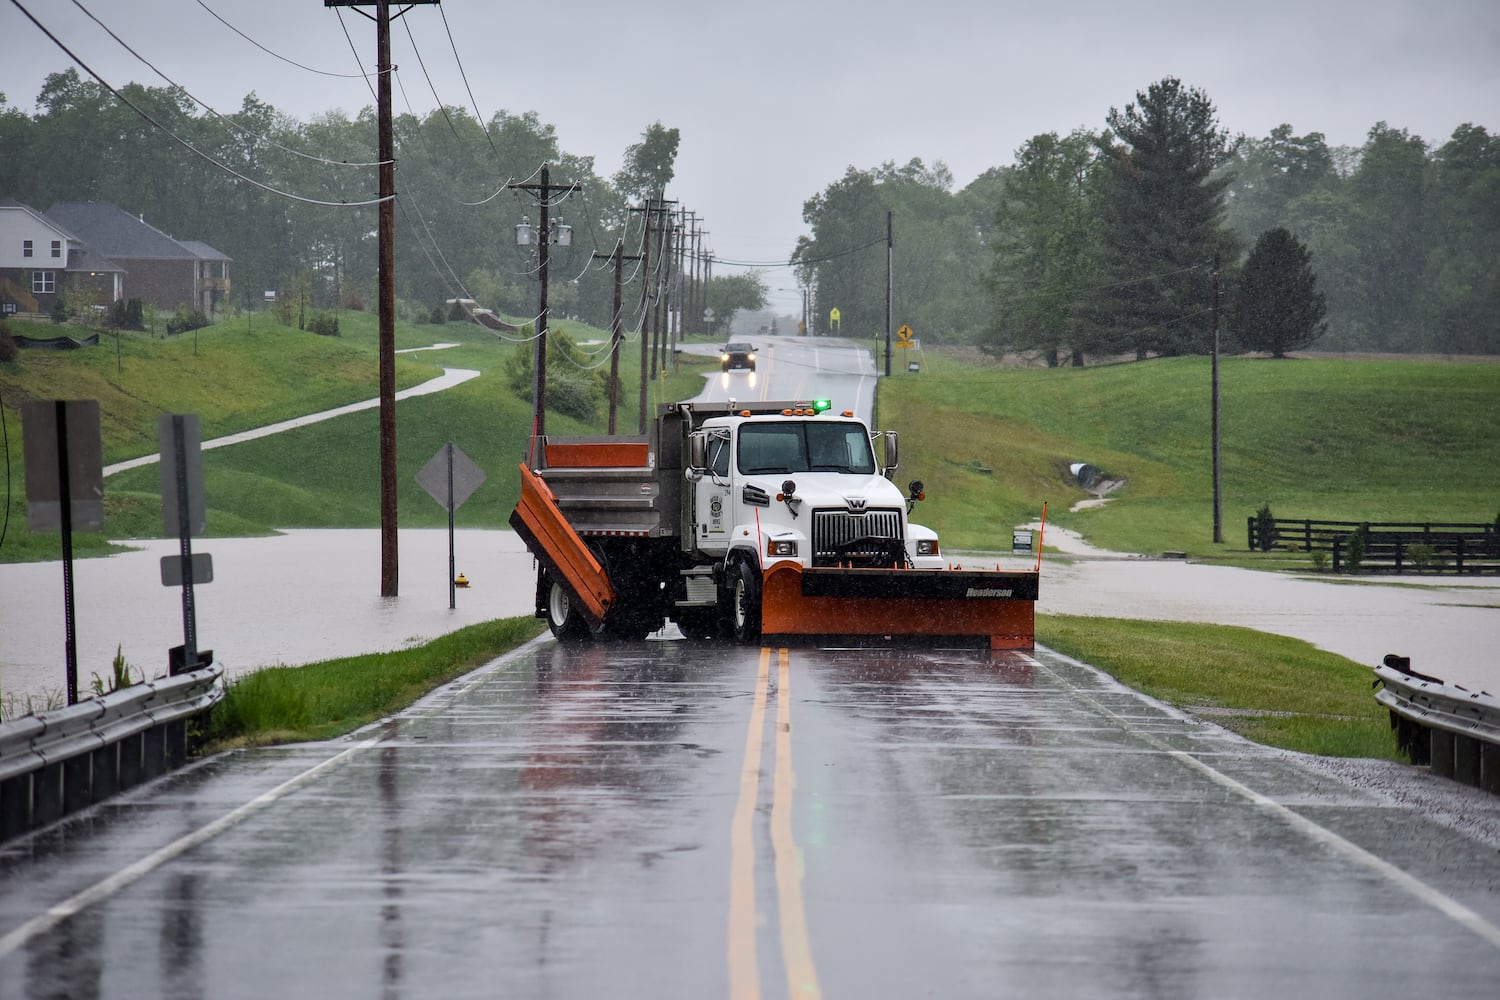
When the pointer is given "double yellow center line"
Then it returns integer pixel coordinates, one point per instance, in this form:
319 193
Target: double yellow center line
796 953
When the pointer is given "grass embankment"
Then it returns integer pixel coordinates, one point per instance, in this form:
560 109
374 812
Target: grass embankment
323 700
1271 689
1356 439
322 475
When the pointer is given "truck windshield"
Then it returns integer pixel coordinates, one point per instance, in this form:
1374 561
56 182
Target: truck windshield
803 446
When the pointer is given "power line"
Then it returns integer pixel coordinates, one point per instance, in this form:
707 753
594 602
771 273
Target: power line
203 104
178 139
348 76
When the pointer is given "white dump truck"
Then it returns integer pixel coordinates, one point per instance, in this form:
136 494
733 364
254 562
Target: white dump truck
761 522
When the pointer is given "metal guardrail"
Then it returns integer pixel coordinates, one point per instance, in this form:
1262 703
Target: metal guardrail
1450 728
58 762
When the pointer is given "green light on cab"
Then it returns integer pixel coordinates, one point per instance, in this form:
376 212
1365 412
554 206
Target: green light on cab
822 404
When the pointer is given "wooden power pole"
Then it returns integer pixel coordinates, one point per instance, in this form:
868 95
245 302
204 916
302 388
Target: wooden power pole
389 564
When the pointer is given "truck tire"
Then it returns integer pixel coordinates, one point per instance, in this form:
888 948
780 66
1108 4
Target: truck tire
562 615
744 603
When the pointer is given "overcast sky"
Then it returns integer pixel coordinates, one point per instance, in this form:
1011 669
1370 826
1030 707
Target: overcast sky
776 99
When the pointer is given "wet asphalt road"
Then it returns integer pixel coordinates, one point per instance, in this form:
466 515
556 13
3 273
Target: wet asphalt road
669 819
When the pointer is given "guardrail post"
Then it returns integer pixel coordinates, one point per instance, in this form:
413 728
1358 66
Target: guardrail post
176 740
106 772
77 782
132 772
1489 767
1466 759
46 794
1442 753
153 753
15 806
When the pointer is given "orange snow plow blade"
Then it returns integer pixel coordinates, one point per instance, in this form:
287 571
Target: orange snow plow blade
559 548
993 609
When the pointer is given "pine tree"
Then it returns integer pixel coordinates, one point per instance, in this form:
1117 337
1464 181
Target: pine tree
1278 307
1161 217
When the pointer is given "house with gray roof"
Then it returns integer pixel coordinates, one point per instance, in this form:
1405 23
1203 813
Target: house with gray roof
41 259
159 269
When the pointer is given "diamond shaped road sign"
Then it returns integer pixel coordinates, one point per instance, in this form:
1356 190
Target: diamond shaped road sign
467 477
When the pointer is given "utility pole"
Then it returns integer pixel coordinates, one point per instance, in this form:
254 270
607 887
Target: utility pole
889 263
544 238
1218 493
614 329
386 344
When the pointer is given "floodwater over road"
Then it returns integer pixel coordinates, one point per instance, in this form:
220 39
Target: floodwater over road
294 598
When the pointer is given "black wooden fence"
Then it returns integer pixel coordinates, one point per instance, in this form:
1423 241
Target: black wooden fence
1400 547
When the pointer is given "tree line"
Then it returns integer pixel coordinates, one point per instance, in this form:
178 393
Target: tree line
277 195
1126 240
1133 239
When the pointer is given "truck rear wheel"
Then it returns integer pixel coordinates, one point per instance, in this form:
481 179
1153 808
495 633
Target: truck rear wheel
562 614
744 603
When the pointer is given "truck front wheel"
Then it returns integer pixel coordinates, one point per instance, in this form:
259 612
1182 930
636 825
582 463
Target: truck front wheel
745 603
562 616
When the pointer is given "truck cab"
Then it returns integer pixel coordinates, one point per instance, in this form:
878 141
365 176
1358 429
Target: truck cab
802 484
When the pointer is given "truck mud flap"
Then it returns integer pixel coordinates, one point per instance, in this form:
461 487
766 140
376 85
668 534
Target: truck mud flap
994 609
559 548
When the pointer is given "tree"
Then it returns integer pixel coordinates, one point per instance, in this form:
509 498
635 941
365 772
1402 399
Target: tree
1160 214
1278 307
728 294
649 165
1044 251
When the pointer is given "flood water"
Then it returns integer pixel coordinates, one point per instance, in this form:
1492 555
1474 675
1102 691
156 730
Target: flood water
310 595
294 598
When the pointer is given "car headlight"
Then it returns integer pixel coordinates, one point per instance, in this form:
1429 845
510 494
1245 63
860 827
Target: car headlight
928 547
723 357
780 547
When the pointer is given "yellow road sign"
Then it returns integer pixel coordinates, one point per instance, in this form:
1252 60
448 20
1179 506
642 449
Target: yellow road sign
904 334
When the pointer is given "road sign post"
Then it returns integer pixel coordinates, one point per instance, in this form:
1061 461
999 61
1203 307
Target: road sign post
64 490
450 477
183 514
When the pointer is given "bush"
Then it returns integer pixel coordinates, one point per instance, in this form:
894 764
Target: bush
59 310
184 319
572 388
324 324
1355 549
1424 557
1319 559
129 314
1264 527
437 315
9 349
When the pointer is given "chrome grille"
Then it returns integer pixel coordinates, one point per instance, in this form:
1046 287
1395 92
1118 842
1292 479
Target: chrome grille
835 528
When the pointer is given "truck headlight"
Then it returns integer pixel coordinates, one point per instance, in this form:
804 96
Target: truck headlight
777 547
928 547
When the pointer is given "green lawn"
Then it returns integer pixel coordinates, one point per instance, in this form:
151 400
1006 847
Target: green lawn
1350 439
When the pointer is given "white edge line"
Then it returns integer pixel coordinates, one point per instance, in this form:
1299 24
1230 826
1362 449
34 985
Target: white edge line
1444 904
101 891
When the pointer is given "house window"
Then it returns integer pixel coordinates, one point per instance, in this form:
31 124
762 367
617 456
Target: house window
43 282
57 248
26 248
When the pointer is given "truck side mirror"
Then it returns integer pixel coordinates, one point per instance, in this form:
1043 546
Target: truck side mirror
698 452
892 453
